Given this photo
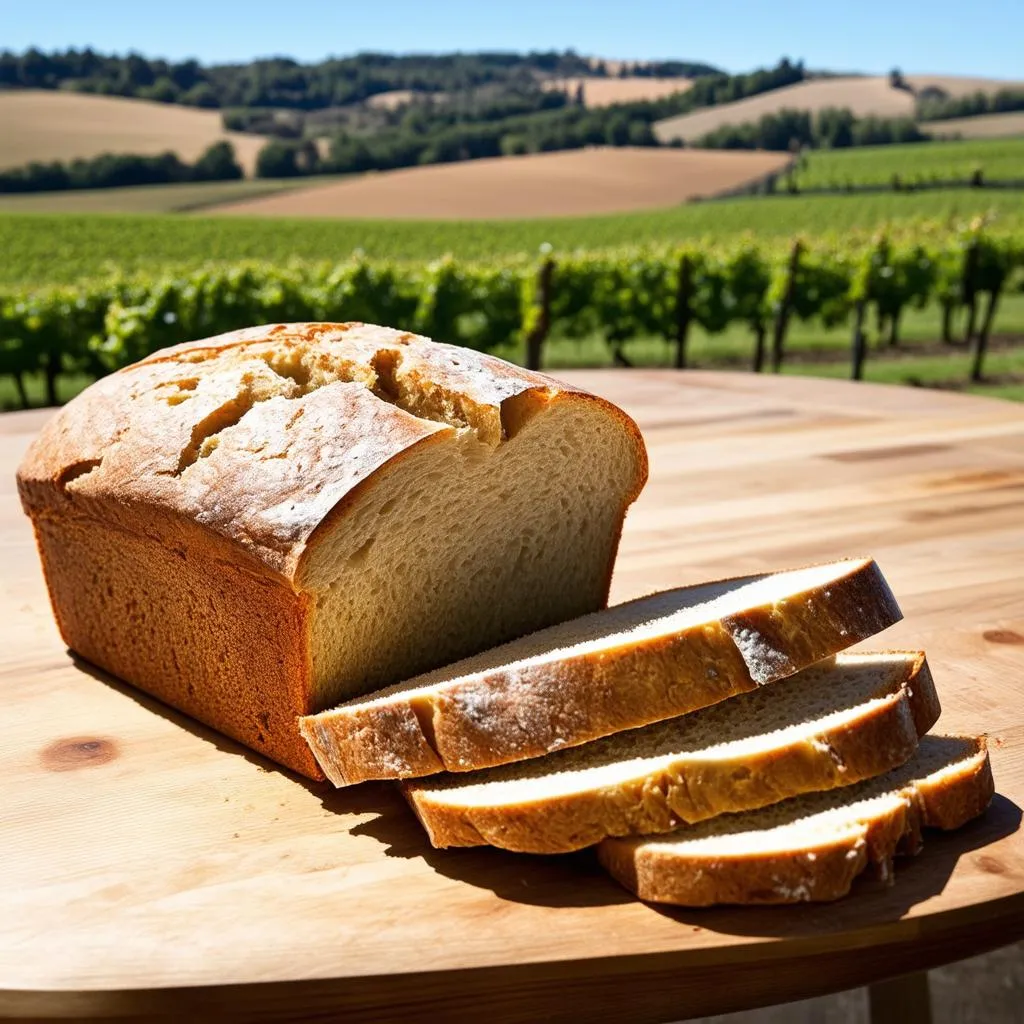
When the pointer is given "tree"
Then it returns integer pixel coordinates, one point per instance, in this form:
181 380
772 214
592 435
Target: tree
217 163
200 95
278 160
896 80
617 131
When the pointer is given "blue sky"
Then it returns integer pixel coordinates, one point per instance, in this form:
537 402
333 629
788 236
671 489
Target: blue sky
985 38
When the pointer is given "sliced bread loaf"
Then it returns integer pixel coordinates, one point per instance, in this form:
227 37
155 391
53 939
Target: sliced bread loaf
625 667
257 526
833 724
810 848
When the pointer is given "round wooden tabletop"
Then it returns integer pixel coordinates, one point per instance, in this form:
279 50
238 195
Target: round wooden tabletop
149 865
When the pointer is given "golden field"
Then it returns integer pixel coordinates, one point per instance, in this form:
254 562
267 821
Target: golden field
51 125
572 182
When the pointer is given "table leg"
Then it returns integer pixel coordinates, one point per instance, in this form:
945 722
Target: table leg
902 1000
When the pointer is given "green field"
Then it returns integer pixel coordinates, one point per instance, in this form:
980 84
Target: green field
998 159
154 198
52 248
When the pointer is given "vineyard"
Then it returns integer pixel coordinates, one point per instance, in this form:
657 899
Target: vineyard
651 292
917 164
40 249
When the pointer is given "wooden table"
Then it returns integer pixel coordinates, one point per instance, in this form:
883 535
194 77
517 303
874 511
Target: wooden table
148 865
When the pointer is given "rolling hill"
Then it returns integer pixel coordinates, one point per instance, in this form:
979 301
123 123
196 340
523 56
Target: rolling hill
572 182
865 96
52 125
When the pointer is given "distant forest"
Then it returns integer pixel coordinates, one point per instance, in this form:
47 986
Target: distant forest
281 83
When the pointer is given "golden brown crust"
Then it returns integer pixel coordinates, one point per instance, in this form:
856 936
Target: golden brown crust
219 462
134 441
822 871
480 723
882 736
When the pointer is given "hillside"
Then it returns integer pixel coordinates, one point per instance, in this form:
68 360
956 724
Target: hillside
984 126
864 96
47 125
574 182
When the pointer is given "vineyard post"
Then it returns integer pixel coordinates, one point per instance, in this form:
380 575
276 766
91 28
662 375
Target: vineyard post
535 339
759 337
980 343
970 291
51 368
19 384
684 291
947 323
894 327
859 344
782 316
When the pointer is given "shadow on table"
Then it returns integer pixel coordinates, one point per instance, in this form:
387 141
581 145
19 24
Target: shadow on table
574 880
577 880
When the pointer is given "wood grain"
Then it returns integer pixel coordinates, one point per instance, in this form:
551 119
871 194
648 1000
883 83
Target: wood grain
149 865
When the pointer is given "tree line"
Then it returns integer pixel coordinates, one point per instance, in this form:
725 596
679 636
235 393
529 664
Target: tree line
935 105
285 83
112 170
830 128
573 128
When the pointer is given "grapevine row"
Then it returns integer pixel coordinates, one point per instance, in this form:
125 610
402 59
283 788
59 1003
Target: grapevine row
100 326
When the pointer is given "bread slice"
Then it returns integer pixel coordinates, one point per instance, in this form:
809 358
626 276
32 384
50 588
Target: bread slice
833 724
631 665
810 848
260 525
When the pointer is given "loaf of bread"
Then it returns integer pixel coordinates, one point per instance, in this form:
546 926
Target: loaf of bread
834 724
810 848
636 663
258 526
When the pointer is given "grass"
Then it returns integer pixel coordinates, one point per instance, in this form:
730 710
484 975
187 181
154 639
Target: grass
52 248
925 161
154 198
811 350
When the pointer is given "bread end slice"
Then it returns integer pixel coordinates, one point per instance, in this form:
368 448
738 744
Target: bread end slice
809 849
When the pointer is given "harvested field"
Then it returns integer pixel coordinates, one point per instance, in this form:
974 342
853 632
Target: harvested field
960 85
573 182
865 96
394 98
984 126
51 125
603 92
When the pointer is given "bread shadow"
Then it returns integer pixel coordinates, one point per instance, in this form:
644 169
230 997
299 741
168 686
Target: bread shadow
871 900
573 880
183 721
577 880
568 880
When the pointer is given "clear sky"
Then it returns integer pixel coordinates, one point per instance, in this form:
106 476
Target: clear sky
981 38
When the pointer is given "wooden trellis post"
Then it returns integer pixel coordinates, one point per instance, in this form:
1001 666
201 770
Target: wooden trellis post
537 336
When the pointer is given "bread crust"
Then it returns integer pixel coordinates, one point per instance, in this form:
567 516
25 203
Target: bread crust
883 735
219 463
819 872
469 725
